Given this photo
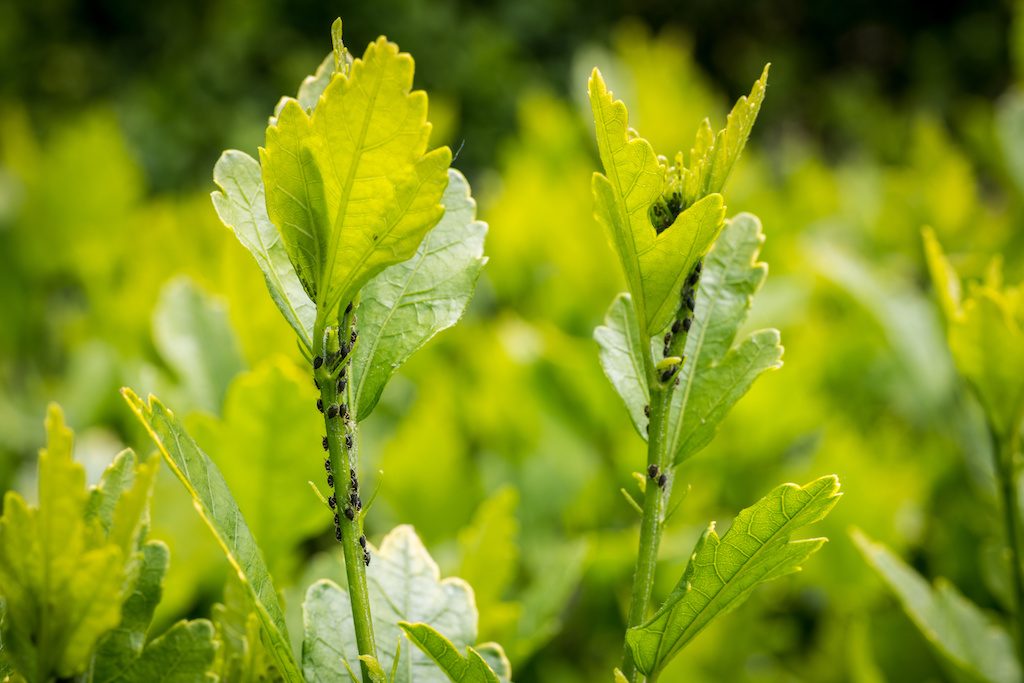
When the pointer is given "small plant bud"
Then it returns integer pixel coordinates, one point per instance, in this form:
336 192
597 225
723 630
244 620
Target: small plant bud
652 471
661 480
349 515
362 541
317 362
320 405
332 501
324 443
332 410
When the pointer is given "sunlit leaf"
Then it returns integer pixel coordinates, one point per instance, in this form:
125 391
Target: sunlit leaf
622 357
965 636
214 503
405 585
723 572
468 668
408 303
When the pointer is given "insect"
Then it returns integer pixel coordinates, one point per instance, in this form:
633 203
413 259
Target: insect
348 441
344 411
332 501
357 502
652 471
366 557
647 410
353 336
661 480
349 514
675 327
317 362
337 520
688 300
323 442
362 541
320 404
327 465
666 375
330 480
342 383
668 338
332 410
687 323
316 383
348 309
337 533
694 277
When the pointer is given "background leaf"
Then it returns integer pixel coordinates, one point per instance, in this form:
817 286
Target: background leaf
408 303
965 636
470 668
183 654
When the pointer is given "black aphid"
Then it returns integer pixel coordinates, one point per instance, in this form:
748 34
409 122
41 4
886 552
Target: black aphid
348 309
342 382
661 480
652 471
666 375
327 465
687 323
317 362
697 268
349 514
330 480
323 442
332 502
344 411
668 338
694 277
688 300
353 336
352 476
348 441
675 327
362 541
647 410
337 520
320 405
315 383
337 533
332 410
366 557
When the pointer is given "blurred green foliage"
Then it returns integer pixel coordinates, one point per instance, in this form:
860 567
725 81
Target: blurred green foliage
502 442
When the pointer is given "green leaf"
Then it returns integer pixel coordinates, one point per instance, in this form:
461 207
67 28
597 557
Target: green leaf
216 506
622 352
408 303
242 207
722 572
62 580
964 635
716 374
120 647
115 480
985 330
461 669
241 655
192 333
184 654
732 139
267 421
489 556
405 585
352 188
655 265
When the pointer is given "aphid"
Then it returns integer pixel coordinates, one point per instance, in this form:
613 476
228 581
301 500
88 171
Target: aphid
652 471
337 520
323 442
666 374
687 323
697 268
693 278
344 350
661 480
667 349
353 336
668 338
647 410
316 383
330 480
357 503
362 541
688 300
348 309
327 465
366 557
349 514
348 441
332 410
337 533
332 502
352 476
320 404
342 382
344 411
675 327
317 362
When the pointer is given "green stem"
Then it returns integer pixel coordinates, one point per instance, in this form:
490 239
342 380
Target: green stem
341 431
1005 450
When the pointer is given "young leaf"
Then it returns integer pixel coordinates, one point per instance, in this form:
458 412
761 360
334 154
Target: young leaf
655 263
120 647
241 655
192 333
408 303
405 585
965 636
183 654
724 571
242 207
214 503
352 188
460 669
732 139
62 580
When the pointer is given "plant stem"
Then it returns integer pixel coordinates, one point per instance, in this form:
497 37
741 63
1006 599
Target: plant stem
651 524
342 443
1004 451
